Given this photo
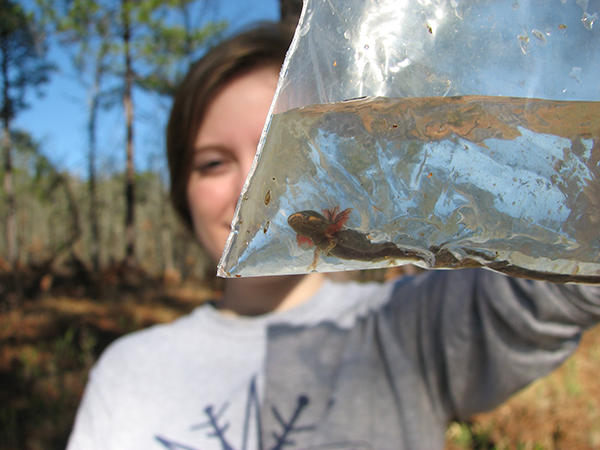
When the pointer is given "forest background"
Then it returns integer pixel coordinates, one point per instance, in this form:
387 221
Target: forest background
90 248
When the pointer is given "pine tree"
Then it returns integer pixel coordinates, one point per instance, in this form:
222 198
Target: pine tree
22 67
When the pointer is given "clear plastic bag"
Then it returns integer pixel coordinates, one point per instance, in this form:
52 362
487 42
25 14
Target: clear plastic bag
445 133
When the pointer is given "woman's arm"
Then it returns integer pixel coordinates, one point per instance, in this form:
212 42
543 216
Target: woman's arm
479 336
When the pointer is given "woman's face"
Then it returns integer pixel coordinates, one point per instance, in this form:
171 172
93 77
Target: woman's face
223 153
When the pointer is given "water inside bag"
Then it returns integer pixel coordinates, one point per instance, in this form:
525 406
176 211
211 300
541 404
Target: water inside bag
511 184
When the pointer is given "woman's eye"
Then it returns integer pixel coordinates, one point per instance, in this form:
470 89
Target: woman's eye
211 167
212 161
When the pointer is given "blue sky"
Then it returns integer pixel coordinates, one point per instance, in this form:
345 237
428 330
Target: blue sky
58 119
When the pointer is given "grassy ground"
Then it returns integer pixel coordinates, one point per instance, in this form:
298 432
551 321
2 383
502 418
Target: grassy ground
52 333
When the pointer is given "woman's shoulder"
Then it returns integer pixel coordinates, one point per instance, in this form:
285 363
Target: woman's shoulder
361 298
342 302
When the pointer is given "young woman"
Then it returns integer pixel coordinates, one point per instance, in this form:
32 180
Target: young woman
300 361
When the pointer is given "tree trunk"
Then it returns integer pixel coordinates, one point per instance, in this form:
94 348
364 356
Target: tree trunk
11 209
93 212
290 10
62 180
11 229
128 105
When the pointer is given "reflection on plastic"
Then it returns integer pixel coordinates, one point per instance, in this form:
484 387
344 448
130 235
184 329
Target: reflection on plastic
477 143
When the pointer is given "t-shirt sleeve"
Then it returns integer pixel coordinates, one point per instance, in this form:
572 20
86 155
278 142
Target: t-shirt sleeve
97 425
478 336
92 423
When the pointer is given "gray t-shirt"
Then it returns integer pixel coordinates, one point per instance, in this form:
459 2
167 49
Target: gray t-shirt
358 366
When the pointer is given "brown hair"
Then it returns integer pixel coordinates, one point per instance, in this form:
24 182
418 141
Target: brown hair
265 45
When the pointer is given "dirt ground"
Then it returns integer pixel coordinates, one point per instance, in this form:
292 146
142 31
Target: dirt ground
53 328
